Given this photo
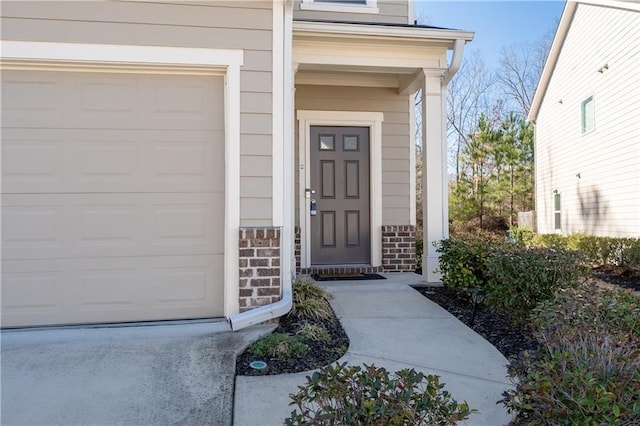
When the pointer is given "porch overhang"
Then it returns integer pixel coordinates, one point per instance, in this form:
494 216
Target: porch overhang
367 55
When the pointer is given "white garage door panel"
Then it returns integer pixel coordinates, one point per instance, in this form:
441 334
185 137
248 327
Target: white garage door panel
64 161
110 289
60 226
112 197
111 101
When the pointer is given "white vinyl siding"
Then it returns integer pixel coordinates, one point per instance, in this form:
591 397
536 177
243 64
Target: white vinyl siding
597 172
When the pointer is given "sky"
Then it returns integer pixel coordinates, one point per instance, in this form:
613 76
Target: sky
495 23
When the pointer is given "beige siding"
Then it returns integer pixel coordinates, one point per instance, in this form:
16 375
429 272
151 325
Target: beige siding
390 11
605 199
395 136
220 25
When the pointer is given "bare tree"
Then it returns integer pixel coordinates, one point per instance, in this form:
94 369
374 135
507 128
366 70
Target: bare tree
520 69
468 95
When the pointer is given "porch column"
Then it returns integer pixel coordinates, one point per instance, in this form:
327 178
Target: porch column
434 172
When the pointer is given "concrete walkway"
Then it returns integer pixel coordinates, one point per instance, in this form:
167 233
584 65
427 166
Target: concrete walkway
389 324
176 373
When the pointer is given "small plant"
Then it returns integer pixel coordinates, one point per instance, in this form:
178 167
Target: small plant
278 344
309 331
350 395
310 301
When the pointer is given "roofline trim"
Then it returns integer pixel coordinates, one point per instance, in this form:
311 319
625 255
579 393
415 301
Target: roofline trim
558 41
369 31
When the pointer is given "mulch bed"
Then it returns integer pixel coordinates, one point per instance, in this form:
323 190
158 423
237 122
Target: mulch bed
318 355
625 278
496 326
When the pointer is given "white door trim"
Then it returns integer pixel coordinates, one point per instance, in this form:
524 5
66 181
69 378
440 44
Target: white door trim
168 60
372 120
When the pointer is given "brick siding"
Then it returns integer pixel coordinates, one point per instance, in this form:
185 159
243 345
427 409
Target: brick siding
259 267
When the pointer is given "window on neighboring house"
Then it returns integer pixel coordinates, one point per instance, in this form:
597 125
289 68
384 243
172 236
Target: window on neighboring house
587 115
347 6
557 212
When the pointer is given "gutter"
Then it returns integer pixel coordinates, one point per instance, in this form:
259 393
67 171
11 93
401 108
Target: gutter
264 313
283 306
456 61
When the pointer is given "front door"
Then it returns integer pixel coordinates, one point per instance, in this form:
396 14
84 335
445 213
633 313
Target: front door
340 229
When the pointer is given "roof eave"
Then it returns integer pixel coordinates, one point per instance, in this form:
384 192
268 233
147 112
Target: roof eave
355 31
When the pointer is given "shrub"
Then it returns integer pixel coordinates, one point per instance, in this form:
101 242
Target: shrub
462 262
549 240
310 301
278 344
522 236
609 251
588 370
350 395
520 278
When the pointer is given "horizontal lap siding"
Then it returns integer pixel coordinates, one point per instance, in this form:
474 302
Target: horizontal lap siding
217 25
605 200
390 11
395 136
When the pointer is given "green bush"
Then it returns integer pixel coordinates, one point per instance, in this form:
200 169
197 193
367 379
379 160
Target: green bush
278 344
609 251
462 262
350 395
310 301
519 278
588 370
549 240
522 236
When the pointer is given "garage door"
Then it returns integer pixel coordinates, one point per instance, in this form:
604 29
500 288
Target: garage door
112 197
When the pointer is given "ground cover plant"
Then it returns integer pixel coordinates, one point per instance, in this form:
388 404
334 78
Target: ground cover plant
352 395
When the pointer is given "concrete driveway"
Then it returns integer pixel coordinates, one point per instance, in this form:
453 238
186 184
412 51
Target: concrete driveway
175 373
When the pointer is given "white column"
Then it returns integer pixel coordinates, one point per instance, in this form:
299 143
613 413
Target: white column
434 184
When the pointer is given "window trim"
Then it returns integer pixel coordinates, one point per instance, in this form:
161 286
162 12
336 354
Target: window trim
557 228
583 115
371 7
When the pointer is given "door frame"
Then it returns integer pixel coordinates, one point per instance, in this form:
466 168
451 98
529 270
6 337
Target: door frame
372 120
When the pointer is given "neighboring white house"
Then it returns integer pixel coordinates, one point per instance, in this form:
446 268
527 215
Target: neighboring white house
586 112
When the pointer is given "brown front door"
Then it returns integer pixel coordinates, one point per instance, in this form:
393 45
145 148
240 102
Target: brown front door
340 229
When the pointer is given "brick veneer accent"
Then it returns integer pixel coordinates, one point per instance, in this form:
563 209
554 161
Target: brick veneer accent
259 264
398 248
